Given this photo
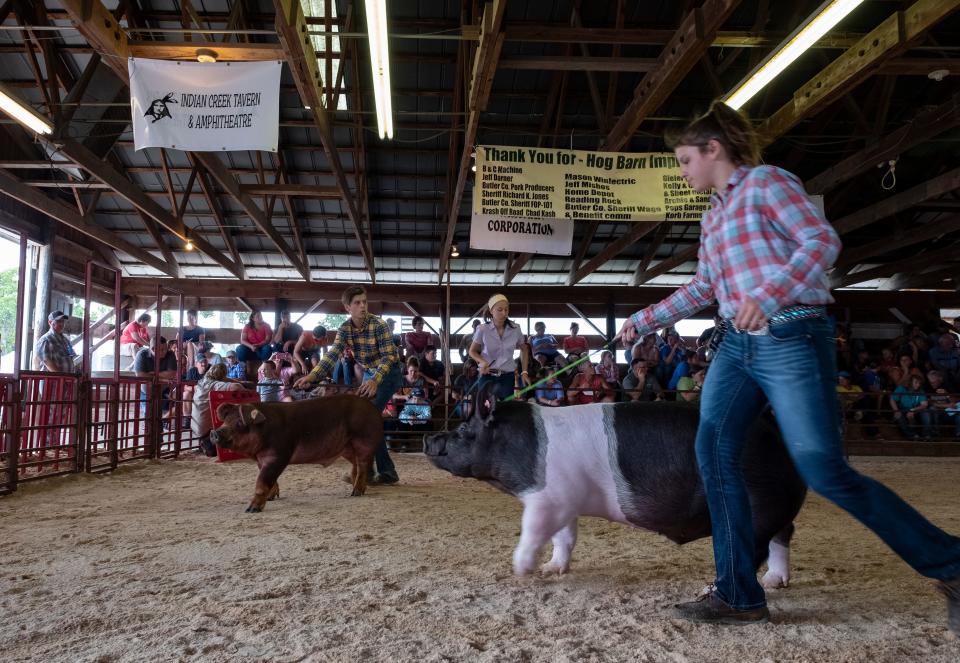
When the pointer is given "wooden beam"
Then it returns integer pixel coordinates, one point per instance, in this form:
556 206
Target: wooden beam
102 32
662 231
929 279
410 307
300 57
136 197
926 124
310 310
187 50
287 189
215 166
938 186
210 195
155 234
917 235
919 261
688 44
583 316
664 266
478 89
917 66
515 266
582 63
66 215
639 229
889 39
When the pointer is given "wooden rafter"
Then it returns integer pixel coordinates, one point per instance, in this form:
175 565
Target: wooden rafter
53 208
291 26
478 96
210 195
687 46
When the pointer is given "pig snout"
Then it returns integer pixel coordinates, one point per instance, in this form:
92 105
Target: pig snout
435 445
219 438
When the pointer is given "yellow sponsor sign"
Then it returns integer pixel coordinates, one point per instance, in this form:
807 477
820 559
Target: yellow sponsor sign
537 183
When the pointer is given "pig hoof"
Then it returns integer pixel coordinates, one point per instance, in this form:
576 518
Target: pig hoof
553 568
254 509
356 493
773 580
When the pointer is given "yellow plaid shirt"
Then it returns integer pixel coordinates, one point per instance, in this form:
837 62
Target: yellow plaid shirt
372 345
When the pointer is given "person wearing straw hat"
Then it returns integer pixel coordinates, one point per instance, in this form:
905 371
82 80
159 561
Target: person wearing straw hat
494 343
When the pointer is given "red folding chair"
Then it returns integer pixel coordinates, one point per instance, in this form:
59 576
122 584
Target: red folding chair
218 397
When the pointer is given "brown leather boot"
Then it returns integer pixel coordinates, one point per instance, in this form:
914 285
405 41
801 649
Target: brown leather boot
711 610
951 589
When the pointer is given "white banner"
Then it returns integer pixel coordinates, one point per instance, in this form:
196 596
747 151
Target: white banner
205 107
502 233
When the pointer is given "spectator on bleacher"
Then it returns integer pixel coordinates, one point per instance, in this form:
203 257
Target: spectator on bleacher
544 347
887 360
647 350
392 328
493 346
215 379
854 404
200 366
255 340
310 344
415 413
53 350
194 336
588 387
465 341
144 364
434 372
945 357
640 384
905 362
670 356
270 384
464 386
550 393
416 341
610 372
938 416
685 367
907 402
135 337
235 370
287 334
574 344
688 387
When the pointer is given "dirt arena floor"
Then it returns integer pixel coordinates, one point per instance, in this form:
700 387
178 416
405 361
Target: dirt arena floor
158 562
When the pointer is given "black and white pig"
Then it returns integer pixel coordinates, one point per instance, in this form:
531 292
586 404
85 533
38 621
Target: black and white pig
632 463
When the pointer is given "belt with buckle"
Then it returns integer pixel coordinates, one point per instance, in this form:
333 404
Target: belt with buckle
789 314
496 372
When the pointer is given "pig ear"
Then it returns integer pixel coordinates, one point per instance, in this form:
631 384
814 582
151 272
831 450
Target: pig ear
223 410
486 401
257 417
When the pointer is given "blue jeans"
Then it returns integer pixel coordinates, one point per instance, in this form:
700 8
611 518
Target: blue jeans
504 384
390 385
246 354
343 373
794 369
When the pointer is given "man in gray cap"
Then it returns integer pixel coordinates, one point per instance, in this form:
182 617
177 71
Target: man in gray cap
53 349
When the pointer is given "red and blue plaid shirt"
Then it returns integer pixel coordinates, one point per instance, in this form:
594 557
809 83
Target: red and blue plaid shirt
766 239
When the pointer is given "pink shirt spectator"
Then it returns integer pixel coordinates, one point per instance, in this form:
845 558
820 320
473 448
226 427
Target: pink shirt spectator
127 335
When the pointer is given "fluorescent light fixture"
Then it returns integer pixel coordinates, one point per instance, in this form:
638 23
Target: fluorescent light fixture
23 114
380 64
818 24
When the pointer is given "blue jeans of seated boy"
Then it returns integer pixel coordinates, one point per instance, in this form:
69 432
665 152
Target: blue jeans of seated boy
793 367
390 385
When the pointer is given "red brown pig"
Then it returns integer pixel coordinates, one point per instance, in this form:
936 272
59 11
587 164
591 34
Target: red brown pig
312 431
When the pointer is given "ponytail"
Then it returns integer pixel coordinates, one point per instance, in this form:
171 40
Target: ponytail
725 125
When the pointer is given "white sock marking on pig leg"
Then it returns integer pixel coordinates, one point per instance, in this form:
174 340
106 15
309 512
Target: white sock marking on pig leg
778 567
540 522
563 543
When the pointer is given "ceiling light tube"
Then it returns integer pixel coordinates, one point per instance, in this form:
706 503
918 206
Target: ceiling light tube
23 114
814 28
376 11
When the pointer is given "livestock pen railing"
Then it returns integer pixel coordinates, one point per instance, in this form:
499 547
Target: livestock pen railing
56 424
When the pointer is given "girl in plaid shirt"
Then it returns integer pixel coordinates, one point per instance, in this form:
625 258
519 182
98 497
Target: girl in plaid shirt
765 249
